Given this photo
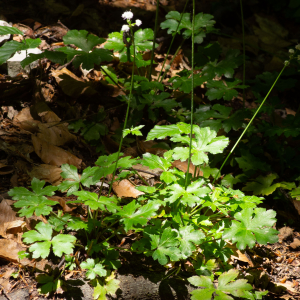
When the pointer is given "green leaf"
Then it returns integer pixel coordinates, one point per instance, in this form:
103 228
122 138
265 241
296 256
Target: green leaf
226 285
62 243
248 229
8 49
205 268
263 185
202 22
133 214
160 132
133 130
10 30
95 202
93 268
110 286
49 283
165 245
220 89
189 238
115 42
153 161
33 202
189 196
82 39
224 67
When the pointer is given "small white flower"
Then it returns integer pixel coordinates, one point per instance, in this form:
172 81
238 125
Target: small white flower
297 47
125 28
292 51
127 15
138 22
286 63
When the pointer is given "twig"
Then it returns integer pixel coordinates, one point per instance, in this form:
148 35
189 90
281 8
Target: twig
67 64
4 293
62 25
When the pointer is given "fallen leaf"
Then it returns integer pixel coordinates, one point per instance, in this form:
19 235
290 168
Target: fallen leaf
125 188
48 173
55 135
25 121
54 155
9 251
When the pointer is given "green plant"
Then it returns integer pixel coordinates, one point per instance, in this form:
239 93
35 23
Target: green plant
184 217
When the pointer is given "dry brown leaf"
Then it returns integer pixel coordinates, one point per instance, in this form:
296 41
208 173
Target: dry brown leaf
25 121
55 135
53 155
182 166
49 117
71 84
5 169
4 280
125 188
62 203
10 224
156 171
48 173
9 251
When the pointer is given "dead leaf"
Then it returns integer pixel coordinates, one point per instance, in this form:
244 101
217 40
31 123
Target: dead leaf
53 155
62 203
71 84
125 188
4 280
55 135
25 121
182 166
48 173
140 168
9 251
9 220
5 169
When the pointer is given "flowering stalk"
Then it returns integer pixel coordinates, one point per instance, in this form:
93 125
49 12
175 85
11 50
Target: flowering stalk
126 28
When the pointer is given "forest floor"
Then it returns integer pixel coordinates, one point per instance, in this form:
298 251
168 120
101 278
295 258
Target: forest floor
26 109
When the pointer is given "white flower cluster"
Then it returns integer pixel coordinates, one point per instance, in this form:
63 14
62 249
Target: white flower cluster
292 53
128 15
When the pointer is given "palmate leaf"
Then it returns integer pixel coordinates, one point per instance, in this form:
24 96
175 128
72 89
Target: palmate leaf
225 90
101 288
61 243
35 201
143 41
133 214
202 22
86 42
224 67
263 185
165 245
95 202
189 238
93 269
226 285
252 225
73 180
189 196
205 140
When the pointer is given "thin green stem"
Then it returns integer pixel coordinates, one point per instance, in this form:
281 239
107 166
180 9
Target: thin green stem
244 55
248 125
154 38
127 112
192 97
